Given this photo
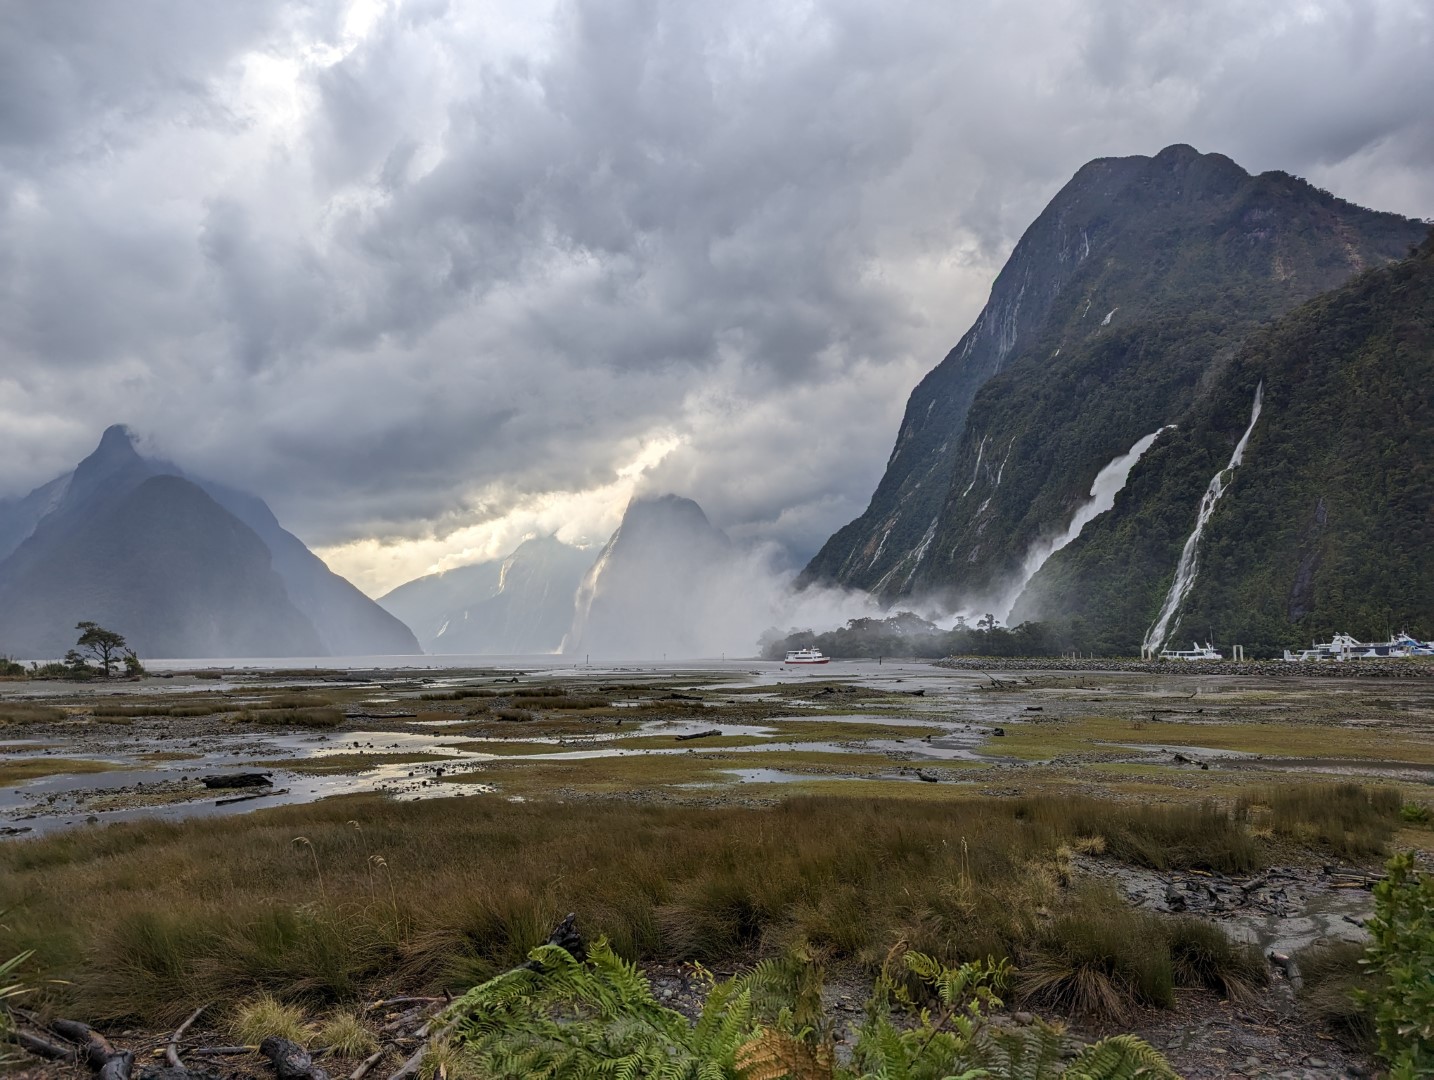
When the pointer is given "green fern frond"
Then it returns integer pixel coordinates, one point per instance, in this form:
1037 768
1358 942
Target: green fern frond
1120 1057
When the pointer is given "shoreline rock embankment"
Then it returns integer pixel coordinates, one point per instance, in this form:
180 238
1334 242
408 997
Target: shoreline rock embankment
1339 669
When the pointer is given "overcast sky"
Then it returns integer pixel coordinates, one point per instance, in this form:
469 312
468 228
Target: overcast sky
429 276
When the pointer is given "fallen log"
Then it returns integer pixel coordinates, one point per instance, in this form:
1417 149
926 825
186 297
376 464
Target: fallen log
246 798
290 1060
97 1051
698 735
368 1063
42 1047
237 780
384 1003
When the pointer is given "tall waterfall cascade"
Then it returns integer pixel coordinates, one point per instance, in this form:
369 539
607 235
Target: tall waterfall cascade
1188 566
1106 486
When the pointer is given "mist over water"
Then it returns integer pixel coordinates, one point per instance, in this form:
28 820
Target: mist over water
677 607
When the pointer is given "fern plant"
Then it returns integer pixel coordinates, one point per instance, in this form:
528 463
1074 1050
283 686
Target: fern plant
596 1017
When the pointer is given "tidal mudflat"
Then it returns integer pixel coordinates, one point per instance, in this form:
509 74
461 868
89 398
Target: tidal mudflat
422 829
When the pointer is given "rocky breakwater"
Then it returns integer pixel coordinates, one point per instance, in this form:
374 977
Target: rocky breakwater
1337 669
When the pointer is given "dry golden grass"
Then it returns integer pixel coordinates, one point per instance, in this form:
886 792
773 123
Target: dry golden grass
443 893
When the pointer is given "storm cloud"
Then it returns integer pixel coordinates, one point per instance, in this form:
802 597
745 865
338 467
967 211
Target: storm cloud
428 276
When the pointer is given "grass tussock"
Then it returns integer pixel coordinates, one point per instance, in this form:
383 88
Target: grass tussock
258 1018
304 902
1331 972
344 1033
1202 955
1099 959
1349 820
512 716
298 717
22 713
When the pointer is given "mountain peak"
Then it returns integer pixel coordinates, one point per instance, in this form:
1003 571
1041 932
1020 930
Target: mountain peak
116 444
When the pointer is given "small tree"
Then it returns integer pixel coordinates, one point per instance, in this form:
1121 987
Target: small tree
103 647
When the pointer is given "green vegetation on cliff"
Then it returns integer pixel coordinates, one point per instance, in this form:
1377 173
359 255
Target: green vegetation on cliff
1324 527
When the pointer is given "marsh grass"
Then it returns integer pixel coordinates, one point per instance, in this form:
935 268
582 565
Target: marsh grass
458 695
443 893
293 717
1349 820
22 713
19 770
532 701
299 701
190 707
1202 836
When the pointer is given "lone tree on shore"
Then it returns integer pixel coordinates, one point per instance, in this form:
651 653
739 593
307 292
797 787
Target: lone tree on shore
103 647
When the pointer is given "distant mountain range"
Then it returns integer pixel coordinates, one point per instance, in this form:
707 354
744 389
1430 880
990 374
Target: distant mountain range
181 566
516 605
1054 464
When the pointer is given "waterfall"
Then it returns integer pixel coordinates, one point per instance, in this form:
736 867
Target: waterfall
1103 491
1186 568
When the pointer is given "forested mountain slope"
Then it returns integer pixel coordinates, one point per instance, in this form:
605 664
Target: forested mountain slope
1117 313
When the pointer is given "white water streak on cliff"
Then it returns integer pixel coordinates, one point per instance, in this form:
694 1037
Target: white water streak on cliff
1103 490
1186 569
980 453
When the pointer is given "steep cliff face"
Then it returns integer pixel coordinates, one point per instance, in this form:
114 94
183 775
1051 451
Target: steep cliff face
1324 524
1117 312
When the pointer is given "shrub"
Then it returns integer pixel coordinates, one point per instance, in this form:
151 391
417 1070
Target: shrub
1415 813
1402 952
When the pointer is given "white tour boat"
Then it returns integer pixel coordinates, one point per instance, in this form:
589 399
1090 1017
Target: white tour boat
1345 647
1199 652
806 656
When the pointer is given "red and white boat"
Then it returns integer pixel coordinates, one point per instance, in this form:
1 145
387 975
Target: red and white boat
806 656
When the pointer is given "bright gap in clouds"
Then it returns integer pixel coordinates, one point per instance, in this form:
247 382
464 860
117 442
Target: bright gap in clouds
582 518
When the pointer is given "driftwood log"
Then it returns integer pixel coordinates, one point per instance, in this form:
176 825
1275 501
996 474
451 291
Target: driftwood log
698 735
238 780
290 1060
96 1051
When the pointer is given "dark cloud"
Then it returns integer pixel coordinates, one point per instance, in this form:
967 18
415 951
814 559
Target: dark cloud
404 267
